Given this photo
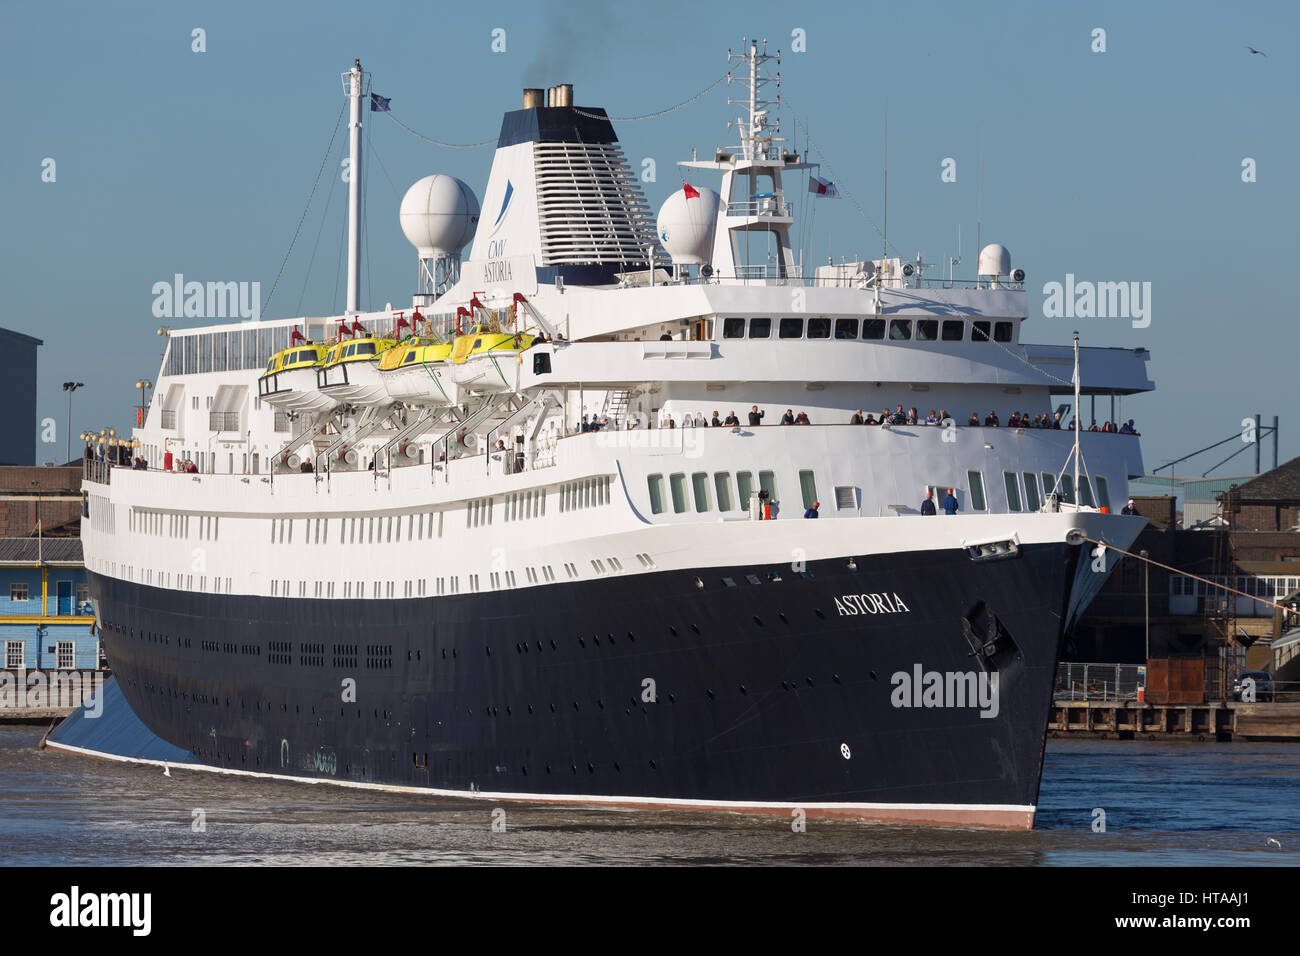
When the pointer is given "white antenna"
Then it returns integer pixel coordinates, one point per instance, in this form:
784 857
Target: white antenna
758 115
884 232
1078 423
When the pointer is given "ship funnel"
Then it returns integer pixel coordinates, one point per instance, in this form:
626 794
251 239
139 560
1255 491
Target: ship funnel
564 94
533 99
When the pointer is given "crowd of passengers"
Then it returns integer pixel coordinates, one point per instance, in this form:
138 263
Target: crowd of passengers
592 423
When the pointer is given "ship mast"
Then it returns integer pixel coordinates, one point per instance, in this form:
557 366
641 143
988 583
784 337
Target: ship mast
355 82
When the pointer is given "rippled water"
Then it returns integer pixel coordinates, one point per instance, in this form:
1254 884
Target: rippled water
1189 804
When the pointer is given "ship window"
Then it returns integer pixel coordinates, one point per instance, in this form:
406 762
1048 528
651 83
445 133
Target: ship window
1067 488
791 328
873 328
1031 492
979 332
388 535
1103 492
927 330
366 348
348 350
819 328
1085 492
733 328
846 328
900 330
808 487
700 485
656 483
1049 483
767 482
744 487
722 487
976 480
678 485
953 330
1001 331
760 328
1013 490
409 358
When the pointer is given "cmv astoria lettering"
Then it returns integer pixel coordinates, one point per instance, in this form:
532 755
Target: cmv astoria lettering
880 602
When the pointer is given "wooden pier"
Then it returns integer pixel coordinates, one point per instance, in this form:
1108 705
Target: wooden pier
1140 720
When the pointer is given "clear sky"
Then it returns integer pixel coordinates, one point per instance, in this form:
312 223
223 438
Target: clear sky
1123 165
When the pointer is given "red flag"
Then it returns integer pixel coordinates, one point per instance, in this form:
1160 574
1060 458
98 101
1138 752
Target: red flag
691 191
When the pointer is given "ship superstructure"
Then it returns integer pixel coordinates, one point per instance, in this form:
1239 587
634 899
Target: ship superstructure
523 530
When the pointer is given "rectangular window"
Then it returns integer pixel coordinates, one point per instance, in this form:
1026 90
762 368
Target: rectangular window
953 330
808 487
927 330
1031 492
1067 488
819 328
656 483
65 659
900 330
14 655
767 482
677 483
722 488
791 328
1085 492
873 328
18 592
846 328
760 328
1013 490
979 331
744 488
1001 331
700 486
1103 492
733 328
1049 484
976 480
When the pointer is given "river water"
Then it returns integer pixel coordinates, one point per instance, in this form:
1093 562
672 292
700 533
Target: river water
1201 804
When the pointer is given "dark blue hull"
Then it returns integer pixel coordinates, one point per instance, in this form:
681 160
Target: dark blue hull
772 689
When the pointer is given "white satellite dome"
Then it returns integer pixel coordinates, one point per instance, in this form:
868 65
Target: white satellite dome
995 260
686 225
439 215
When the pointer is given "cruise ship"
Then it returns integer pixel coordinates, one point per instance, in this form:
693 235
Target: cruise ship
541 534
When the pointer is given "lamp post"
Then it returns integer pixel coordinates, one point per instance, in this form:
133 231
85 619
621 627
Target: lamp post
70 387
1146 602
142 385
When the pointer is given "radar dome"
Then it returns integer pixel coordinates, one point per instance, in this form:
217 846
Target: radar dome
995 260
686 225
438 215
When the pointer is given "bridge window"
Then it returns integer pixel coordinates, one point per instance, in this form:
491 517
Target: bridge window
1031 492
846 328
760 328
977 502
733 328
767 482
656 483
677 483
808 488
1013 490
1049 483
791 328
1103 492
1067 488
1085 492
953 330
873 328
979 331
722 486
819 328
745 487
927 330
900 330
700 485
1001 331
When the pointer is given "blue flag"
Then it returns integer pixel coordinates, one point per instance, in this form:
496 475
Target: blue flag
379 104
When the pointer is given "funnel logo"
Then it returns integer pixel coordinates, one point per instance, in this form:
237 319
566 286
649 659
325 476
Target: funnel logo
505 206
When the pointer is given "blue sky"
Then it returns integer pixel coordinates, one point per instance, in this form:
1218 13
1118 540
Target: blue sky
1117 166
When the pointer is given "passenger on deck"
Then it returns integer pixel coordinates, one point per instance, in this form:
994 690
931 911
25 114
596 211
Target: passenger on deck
899 416
1129 509
871 420
912 417
857 418
715 421
812 512
731 419
950 503
699 420
788 417
802 419
974 419
991 420
755 416
1056 421
931 419
927 506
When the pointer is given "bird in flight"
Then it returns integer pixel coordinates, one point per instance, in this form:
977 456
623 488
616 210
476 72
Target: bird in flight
1260 52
